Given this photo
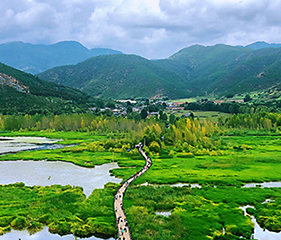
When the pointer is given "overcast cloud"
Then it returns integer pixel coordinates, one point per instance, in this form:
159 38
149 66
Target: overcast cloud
150 28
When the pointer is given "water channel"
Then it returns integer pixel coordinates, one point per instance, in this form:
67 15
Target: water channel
259 233
45 173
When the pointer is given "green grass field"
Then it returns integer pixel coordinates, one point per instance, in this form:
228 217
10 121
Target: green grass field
196 213
211 115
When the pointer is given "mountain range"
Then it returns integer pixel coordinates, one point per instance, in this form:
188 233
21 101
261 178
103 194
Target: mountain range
196 70
193 71
36 58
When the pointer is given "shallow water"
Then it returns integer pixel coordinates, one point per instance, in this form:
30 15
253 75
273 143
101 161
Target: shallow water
15 144
259 233
42 235
46 173
263 185
165 214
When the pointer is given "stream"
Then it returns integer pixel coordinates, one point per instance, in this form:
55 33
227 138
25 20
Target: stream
259 233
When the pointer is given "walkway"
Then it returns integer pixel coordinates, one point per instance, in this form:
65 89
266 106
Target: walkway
121 219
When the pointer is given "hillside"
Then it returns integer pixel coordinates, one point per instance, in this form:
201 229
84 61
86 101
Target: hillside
24 93
193 71
223 69
38 58
119 76
203 67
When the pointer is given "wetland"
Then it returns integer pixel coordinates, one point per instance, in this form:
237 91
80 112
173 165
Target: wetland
200 178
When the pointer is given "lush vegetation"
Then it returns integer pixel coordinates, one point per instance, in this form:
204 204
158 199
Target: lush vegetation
118 76
64 209
206 213
42 97
220 157
193 71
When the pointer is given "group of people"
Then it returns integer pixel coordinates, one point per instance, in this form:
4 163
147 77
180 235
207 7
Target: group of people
122 222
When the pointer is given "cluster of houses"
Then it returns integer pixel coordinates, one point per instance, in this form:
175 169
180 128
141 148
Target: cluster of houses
120 110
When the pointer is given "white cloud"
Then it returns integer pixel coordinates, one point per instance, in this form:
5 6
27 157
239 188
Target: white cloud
151 28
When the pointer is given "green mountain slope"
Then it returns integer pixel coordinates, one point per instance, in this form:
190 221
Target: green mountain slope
24 93
205 67
193 71
119 76
225 69
38 58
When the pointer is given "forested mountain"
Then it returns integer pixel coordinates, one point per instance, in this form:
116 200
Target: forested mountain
21 92
119 76
225 69
37 58
193 71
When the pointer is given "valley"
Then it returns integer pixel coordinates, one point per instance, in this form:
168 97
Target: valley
208 117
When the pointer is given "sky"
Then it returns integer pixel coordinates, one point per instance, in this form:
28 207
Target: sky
149 28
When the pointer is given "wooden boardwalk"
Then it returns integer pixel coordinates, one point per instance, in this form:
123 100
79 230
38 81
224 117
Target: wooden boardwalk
121 219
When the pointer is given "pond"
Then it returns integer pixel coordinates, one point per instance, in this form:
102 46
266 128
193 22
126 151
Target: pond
46 173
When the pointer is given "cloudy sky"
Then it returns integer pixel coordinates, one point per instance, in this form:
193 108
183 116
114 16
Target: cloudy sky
150 28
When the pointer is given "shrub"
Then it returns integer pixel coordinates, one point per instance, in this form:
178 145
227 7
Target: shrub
186 155
154 146
19 222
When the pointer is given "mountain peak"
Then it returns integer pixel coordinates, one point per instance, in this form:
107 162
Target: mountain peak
36 58
68 44
262 44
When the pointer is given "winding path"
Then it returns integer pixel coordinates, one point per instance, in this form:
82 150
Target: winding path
121 219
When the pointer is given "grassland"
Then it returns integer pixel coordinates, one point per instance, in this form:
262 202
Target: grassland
241 159
211 115
196 213
207 213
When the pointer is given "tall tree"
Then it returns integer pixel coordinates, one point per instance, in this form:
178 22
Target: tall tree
143 114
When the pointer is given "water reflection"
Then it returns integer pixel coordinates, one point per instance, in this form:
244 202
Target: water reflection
42 235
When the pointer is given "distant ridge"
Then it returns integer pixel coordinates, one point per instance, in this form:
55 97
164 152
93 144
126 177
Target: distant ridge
262 44
36 58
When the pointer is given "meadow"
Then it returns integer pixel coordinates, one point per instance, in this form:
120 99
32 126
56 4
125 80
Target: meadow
211 115
220 160
64 209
